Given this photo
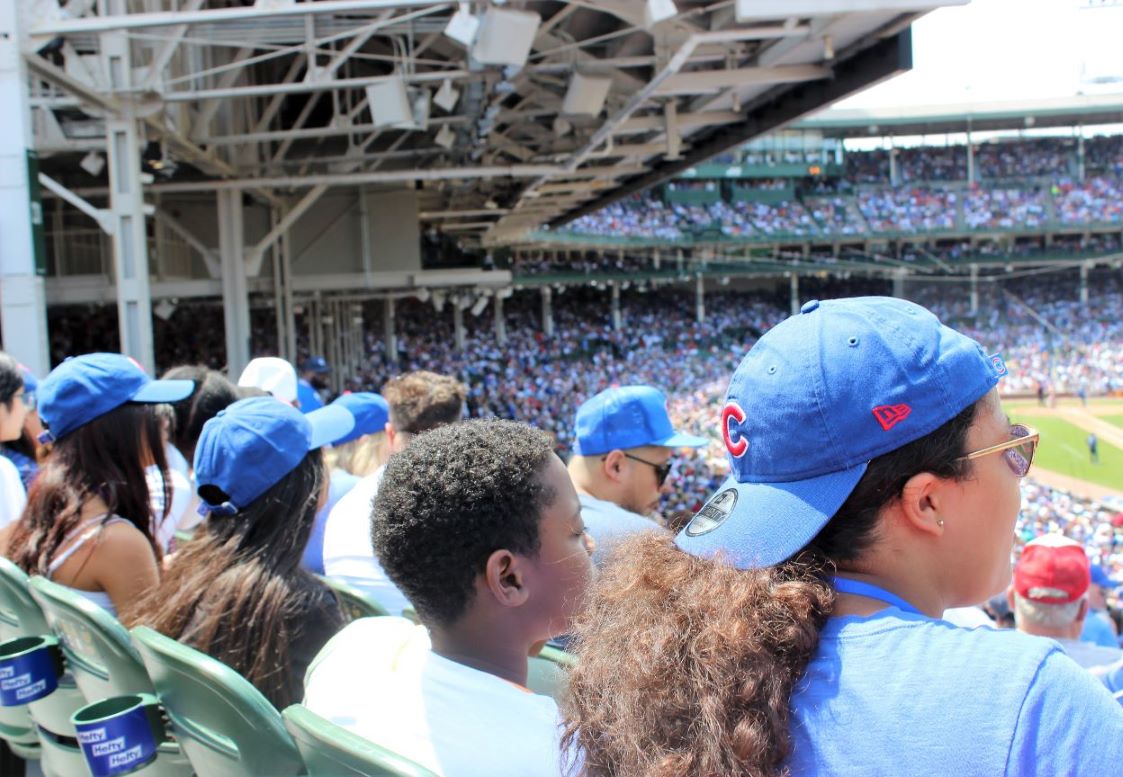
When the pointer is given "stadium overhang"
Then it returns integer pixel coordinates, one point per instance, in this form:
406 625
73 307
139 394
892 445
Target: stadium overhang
1075 111
523 113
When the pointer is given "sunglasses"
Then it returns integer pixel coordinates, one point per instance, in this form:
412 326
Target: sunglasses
1018 451
661 470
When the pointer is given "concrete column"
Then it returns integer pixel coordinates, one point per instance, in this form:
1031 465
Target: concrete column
974 289
656 259
617 318
700 298
500 321
547 311
458 325
899 277
23 262
235 290
793 285
894 176
678 260
1081 172
970 159
1084 268
279 318
388 333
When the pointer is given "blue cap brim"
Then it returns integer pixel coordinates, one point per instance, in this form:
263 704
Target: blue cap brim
753 525
329 424
162 391
680 440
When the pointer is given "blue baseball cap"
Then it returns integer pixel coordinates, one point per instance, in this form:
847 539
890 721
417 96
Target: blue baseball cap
317 364
813 402
86 387
1101 578
628 417
30 386
251 445
371 412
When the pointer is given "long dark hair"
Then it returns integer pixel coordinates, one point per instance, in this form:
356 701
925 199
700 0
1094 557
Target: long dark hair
11 378
100 458
714 653
213 392
236 591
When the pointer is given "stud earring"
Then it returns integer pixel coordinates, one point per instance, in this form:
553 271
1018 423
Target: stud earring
939 521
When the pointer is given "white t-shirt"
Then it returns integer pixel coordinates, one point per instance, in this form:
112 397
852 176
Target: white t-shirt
379 679
13 497
348 554
182 491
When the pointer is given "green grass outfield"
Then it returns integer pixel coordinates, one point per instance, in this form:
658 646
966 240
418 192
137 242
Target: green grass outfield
1113 419
1064 449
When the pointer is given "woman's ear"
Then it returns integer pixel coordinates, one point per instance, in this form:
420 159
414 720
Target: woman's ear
922 500
505 578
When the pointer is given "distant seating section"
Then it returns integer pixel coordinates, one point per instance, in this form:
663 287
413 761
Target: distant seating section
1035 184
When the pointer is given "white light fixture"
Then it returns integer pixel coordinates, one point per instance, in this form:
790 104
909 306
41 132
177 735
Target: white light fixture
445 137
93 163
389 103
828 48
505 37
447 96
586 95
163 309
463 26
422 295
656 11
421 105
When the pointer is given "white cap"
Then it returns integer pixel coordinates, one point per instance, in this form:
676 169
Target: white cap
272 374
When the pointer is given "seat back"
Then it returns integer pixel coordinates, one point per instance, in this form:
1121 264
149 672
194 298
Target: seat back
20 614
354 603
548 672
332 751
97 647
224 725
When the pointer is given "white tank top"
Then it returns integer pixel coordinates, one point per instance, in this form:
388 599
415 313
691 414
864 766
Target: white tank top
84 532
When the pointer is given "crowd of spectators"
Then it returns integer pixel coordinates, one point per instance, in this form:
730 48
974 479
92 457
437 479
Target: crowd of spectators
1005 208
1095 201
918 209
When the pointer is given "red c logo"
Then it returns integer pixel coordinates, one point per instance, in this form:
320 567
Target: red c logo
733 412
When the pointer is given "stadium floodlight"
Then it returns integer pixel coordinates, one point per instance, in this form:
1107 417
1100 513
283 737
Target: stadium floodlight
93 163
389 103
586 95
447 96
463 26
505 37
656 11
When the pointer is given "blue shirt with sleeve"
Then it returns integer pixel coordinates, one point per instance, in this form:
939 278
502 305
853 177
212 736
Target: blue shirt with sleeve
608 523
1098 631
308 397
340 484
901 694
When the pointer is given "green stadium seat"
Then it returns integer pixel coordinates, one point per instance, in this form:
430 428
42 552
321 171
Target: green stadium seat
332 751
20 616
224 725
354 603
101 657
548 672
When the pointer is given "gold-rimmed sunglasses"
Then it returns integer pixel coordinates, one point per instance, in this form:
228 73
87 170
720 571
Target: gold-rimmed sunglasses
1017 451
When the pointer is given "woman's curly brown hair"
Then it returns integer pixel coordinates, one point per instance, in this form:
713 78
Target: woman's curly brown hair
710 656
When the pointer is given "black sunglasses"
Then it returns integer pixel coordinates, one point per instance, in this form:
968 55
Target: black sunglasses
661 470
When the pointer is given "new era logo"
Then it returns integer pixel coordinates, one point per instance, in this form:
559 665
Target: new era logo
891 415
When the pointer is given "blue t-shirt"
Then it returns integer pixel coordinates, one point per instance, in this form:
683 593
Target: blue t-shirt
1098 631
341 483
308 397
900 694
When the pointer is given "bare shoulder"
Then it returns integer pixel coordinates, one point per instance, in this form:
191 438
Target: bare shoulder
120 541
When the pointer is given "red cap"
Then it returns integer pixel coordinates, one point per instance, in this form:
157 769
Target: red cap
1052 570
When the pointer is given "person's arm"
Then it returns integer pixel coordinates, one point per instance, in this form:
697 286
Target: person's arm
123 564
1069 724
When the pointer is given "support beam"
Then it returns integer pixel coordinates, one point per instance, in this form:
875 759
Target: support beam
1084 268
793 293
547 311
617 319
457 326
256 255
713 80
162 56
235 293
500 321
23 301
101 216
126 203
700 298
974 289
210 255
